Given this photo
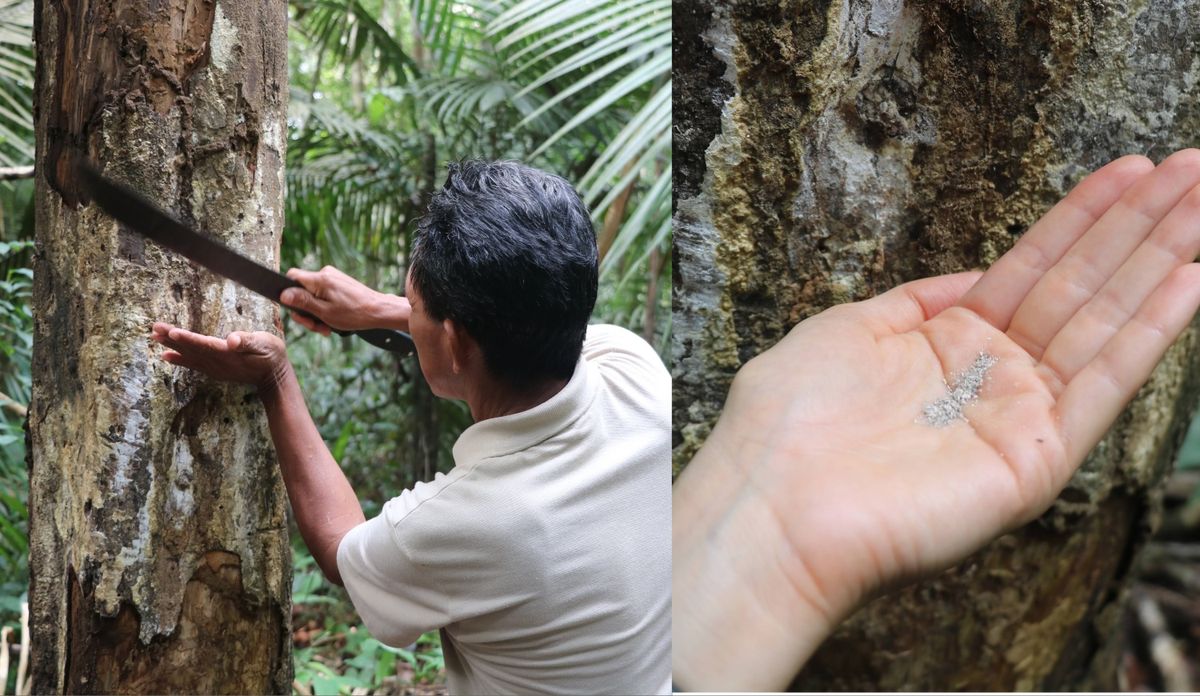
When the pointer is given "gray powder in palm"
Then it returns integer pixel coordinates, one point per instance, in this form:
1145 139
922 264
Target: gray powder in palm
963 391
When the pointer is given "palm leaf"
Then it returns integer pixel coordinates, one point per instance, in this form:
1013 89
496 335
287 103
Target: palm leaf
348 32
595 60
16 82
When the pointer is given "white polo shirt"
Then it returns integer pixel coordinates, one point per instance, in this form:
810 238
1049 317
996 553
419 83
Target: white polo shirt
545 554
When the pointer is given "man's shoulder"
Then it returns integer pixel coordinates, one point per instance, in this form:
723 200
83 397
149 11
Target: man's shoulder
447 510
611 345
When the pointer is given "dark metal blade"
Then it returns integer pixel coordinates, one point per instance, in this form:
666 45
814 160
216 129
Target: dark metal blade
145 218
142 216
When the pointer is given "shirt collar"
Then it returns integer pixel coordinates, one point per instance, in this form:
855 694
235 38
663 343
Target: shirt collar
496 437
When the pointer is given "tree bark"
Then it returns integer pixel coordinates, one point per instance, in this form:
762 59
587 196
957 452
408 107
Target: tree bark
831 149
159 553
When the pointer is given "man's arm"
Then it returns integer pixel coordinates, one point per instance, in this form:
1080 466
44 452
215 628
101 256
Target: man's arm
322 500
341 302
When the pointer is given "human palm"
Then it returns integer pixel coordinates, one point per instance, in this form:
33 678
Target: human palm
827 432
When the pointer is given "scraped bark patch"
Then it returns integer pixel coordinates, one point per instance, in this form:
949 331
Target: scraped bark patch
236 636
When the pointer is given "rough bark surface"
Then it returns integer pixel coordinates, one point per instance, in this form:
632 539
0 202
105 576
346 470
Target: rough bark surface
831 149
159 549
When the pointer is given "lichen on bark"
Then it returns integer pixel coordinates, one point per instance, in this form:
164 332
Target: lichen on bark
836 149
153 488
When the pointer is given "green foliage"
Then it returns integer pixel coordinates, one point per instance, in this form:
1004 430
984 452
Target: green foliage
361 663
1189 453
347 31
337 655
608 61
16 82
16 343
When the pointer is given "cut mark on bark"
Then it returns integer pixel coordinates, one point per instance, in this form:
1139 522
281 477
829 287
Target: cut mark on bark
964 389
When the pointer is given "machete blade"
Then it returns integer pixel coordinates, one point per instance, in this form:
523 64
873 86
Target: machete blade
147 219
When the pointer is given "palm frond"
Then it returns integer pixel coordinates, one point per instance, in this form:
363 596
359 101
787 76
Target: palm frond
347 31
608 61
16 82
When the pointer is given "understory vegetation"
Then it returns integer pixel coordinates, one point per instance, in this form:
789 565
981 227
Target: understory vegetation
382 96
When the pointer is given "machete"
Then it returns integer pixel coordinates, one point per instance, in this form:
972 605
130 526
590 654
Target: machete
131 208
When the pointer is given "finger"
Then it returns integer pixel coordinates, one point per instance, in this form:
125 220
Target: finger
907 306
159 330
1173 243
309 279
299 298
1093 399
310 324
999 293
184 341
1076 278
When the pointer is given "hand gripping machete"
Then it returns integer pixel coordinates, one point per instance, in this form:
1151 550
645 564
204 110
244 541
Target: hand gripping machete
140 215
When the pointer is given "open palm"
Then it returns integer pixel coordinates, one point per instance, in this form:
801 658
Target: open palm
830 435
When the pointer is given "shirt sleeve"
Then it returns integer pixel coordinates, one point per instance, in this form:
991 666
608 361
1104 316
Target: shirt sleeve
395 603
432 558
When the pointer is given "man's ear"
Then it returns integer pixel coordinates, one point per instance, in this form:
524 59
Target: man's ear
462 346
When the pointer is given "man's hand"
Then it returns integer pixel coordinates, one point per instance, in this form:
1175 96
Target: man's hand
343 303
823 481
259 358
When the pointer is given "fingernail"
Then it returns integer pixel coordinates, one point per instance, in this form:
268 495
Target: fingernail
288 295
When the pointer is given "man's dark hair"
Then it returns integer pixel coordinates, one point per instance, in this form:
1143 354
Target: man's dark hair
509 253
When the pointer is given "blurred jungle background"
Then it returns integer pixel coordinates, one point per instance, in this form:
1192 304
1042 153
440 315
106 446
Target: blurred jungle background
382 96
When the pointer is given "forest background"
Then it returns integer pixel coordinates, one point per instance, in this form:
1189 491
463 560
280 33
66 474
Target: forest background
382 96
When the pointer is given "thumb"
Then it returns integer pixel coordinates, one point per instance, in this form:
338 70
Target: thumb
907 306
243 342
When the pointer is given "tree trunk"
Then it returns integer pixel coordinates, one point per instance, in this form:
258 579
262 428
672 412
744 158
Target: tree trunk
831 149
159 550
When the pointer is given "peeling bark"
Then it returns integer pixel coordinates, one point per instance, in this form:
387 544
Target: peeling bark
159 554
832 149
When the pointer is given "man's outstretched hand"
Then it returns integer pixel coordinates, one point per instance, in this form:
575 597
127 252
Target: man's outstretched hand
824 480
258 359
343 303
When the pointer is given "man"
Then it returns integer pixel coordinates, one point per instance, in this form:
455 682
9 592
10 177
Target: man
544 555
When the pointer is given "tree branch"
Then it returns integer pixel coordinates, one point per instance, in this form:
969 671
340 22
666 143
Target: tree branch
10 173
13 405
